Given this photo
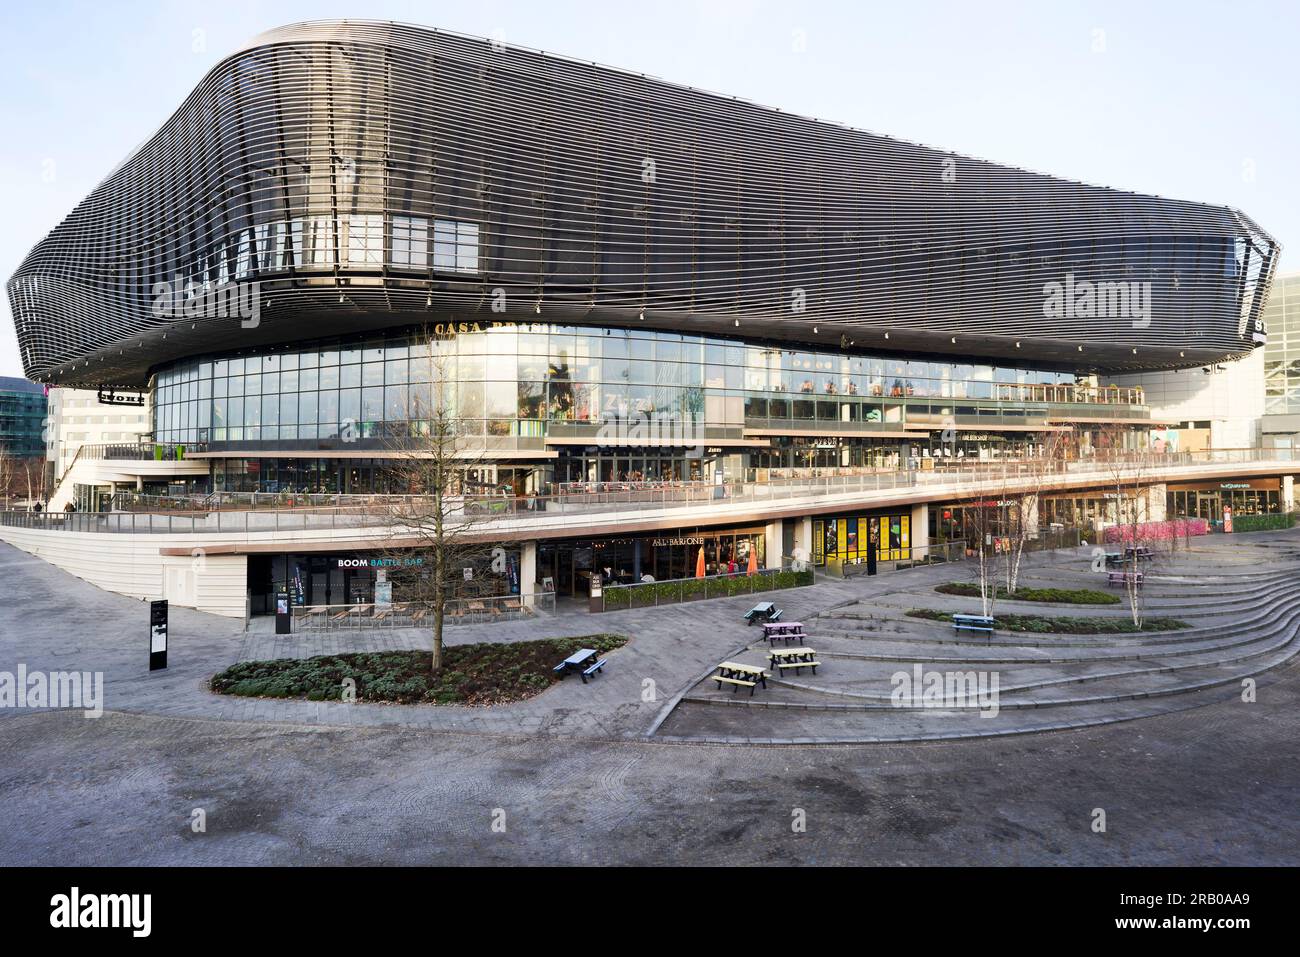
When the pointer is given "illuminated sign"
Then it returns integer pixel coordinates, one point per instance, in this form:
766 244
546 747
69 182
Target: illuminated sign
378 562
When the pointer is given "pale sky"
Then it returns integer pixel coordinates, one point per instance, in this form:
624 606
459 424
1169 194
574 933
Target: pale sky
1184 98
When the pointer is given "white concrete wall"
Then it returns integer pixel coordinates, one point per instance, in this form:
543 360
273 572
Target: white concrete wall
920 531
1232 401
772 535
130 565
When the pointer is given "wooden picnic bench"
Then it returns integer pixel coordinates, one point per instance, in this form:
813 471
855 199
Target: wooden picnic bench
763 611
794 658
581 663
785 630
740 676
984 623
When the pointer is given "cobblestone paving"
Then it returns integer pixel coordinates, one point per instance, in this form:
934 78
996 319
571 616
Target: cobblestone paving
293 782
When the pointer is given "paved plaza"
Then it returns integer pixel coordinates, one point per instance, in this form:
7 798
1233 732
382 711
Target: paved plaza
649 763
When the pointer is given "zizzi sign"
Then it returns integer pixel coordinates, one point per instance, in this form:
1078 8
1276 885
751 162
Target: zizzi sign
378 562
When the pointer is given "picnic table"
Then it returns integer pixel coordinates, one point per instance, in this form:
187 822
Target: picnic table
786 630
740 676
1124 578
795 658
578 662
1141 552
763 611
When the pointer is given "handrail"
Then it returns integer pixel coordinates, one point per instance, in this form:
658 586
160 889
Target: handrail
515 514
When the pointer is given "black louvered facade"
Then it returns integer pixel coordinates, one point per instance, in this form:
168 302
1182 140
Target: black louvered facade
375 175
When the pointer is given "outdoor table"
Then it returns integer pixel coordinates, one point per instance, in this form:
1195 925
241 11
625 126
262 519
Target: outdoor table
793 657
785 630
577 660
735 672
583 662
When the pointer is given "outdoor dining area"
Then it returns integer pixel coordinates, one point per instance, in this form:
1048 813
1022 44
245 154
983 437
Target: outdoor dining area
786 631
737 674
408 614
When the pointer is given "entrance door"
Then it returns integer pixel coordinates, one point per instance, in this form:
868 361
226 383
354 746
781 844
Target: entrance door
1207 506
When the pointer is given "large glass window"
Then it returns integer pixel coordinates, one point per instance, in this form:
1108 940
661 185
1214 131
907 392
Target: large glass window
455 246
410 242
365 241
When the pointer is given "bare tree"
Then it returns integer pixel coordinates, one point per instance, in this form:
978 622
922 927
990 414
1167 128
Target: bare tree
983 523
20 475
1130 474
8 471
438 511
1025 495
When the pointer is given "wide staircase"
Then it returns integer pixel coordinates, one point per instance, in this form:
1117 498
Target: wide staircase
1239 598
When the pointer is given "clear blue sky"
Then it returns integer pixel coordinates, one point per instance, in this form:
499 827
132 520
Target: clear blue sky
1188 98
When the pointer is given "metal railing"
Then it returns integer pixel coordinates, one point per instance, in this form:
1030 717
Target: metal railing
678 590
368 616
321 512
142 451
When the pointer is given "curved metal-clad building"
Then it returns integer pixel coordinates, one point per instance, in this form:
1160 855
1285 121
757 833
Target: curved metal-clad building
373 175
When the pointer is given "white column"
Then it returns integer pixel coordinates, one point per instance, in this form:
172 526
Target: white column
1156 499
1288 493
920 532
527 573
772 542
803 535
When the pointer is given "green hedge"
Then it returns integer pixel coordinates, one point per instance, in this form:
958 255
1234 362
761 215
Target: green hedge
696 589
1064 596
1042 624
1262 523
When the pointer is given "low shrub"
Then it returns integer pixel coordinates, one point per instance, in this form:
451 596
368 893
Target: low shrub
1064 596
1042 624
1263 523
481 674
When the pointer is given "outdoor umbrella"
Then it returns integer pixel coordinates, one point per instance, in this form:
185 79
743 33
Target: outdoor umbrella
753 561
699 564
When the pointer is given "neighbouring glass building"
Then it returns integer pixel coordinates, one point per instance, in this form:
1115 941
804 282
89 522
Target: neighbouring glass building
1281 422
22 418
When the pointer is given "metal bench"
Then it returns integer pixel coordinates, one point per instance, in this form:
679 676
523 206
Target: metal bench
1123 578
982 623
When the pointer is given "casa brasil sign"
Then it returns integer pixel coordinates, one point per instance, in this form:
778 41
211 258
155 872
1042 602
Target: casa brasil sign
379 562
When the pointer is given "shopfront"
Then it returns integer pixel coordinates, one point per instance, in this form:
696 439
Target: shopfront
849 538
1207 500
349 579
664 556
